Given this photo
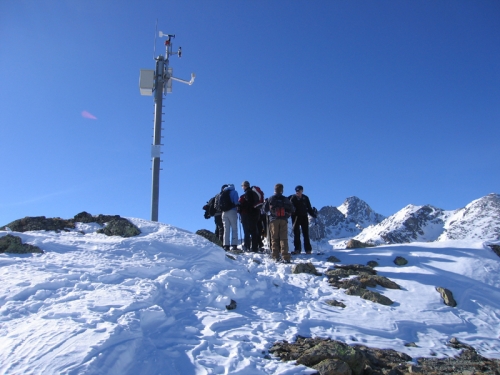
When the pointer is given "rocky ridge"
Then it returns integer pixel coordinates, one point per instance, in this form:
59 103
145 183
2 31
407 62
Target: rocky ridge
480 219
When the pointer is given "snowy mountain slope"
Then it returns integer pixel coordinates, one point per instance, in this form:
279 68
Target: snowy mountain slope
347 220
156 304
412 223
480 219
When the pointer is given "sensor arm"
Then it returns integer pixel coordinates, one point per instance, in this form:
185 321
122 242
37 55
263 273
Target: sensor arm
184 81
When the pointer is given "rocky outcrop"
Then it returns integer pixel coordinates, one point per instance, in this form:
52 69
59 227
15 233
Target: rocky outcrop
365 276
119 226
305 268
331 357
114 224
40 223
355 244
205 233
13 244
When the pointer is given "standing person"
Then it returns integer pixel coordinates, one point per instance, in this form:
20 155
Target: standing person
228 200
249 216
280 208
300 219
219 225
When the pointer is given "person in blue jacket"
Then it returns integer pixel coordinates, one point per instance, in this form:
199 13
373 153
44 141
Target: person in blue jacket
230 219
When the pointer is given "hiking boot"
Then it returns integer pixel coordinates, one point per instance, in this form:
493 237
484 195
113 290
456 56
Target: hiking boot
226 247
295 252
234 247
308 252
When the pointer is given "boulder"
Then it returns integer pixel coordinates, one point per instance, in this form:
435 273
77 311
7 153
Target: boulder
334 350
305 268
13 244
209 236
369 295
333 302
333 259
447 296
355 244
120 227
333 366
40 223
400 261
496 249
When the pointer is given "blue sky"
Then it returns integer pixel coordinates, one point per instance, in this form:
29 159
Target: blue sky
395 102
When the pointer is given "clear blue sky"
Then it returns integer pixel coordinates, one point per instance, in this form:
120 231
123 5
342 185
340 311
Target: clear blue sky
395 102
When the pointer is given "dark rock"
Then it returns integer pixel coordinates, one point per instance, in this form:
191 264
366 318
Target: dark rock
447 296
205 233
400 261
333 367
357 268
333 302
496 249
119 226
305 268
355 244
372 263
84 217
323 356
13 244
374 280
333 259
369 295
232 305
40 223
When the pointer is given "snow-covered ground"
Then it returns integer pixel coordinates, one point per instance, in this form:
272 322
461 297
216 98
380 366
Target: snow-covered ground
156 304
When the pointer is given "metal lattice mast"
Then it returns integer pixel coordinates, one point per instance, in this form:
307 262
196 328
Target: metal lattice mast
159 81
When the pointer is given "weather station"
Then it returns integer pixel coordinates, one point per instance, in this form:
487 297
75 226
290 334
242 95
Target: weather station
159 82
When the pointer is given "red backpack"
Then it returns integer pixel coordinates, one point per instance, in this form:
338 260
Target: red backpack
258 196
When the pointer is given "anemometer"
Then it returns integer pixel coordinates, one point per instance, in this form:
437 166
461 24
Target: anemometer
159 81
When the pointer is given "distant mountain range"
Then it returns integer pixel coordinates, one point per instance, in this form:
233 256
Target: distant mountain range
480 219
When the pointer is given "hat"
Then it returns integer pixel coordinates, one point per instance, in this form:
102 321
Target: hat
298 187
223 187
245 183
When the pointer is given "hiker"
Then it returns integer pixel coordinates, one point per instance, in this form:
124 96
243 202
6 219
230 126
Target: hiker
249 216
228 200
211 210
300 219
219 226
280 209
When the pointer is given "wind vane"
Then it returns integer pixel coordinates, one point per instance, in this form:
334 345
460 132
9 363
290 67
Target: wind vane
159 81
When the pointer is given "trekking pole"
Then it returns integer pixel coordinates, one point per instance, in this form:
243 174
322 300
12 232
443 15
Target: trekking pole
268 235
241 240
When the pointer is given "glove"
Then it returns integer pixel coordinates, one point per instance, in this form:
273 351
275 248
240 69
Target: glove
315 213
206 215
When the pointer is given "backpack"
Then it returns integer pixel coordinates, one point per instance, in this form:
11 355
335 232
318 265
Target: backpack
278 208
258 196
211 207
225 203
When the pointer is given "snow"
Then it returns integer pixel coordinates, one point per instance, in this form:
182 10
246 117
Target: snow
156 303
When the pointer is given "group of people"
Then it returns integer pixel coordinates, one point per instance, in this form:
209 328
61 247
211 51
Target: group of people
261 218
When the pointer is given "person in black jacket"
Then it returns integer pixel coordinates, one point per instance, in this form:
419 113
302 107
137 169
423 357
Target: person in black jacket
300 220
249 215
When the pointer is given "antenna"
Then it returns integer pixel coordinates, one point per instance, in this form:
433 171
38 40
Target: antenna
154 46
159 81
